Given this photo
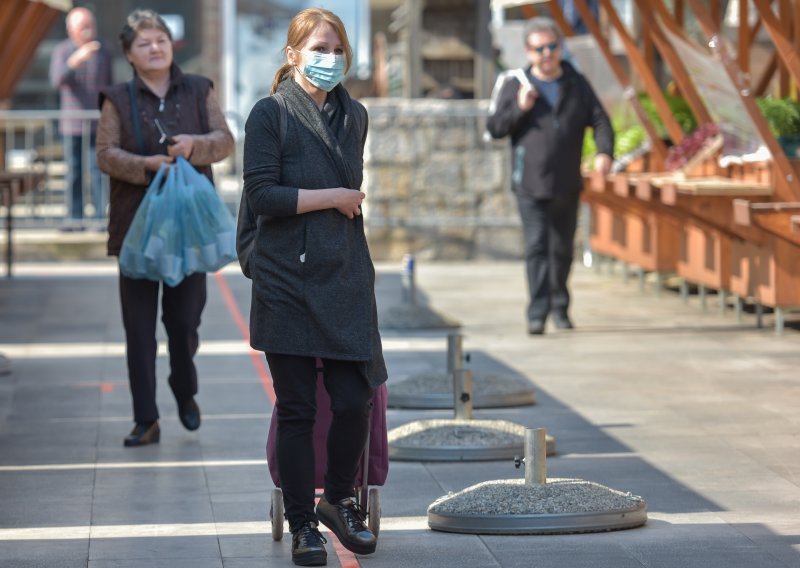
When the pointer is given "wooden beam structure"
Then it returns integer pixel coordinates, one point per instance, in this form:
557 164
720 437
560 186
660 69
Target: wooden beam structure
762 84
561 20
659 149
679 73
788 55
645 73
23 24
787 186
745 37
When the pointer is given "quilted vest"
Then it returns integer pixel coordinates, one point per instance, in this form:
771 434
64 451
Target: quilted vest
182 111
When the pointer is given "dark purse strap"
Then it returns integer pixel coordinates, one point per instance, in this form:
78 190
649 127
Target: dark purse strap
136 118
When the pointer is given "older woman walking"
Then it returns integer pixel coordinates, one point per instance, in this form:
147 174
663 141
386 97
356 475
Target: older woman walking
130 149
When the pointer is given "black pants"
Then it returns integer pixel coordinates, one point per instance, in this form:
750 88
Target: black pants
549 230
181 308
295 381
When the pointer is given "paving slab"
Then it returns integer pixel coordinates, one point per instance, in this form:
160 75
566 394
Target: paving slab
690 409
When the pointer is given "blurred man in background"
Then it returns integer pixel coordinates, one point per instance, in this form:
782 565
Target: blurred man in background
79 68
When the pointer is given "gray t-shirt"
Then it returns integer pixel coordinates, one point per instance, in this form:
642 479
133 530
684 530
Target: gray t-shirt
550 90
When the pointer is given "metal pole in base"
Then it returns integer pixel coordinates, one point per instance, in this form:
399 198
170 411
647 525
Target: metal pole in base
535 456
701 289
779 321
455 352
462 394
759 315
737 306
685 291
407 279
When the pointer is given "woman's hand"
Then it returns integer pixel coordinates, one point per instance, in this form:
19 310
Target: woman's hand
184 144
152 163
347 201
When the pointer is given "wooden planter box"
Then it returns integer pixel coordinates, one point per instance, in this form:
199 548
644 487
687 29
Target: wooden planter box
770 274
704 257
649 242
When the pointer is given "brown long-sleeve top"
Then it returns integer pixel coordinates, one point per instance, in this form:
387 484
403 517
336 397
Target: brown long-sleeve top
121 164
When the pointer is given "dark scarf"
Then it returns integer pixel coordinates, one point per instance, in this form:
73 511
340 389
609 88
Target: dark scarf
333 125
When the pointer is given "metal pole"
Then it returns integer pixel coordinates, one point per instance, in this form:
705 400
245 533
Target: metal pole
407 278
462 394
535 456
455 352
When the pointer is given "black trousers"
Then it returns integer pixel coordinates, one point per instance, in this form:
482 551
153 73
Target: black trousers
549 231
295 382
181 309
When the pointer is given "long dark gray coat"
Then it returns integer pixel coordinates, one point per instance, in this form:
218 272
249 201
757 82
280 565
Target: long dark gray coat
313 278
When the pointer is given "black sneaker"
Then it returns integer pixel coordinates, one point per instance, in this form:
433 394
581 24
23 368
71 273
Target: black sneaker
346 520
308 546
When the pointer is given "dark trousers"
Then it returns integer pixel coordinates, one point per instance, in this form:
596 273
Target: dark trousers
181 309
295 382
549 231
78 163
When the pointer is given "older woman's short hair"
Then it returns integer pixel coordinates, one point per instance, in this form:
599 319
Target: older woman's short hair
141 20
541 24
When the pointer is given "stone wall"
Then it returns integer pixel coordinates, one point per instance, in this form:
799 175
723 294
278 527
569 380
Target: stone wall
436 185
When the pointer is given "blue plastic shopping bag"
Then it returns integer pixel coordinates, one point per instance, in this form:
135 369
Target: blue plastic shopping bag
209 229
152 248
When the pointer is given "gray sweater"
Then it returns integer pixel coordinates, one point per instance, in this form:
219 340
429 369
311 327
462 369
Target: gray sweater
313 278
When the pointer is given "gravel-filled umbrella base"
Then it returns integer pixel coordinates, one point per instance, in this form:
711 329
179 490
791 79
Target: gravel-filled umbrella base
435 391
5 365
459 440
413 316
561 506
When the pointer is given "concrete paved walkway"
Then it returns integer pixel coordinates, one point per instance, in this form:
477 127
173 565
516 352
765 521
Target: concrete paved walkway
691 410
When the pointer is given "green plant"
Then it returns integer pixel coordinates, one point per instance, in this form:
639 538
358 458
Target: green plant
678 107
783 115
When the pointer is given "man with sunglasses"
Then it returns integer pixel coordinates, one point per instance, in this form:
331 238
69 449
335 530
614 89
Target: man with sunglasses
546 108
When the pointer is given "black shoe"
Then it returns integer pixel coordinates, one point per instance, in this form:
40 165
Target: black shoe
346 520
189 413
562 321
142 434
308 546
536 327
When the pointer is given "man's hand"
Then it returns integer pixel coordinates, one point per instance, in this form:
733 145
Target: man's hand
184 144
82 54
602 164
526 96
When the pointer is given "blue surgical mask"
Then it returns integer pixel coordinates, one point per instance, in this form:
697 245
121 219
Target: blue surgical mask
323 70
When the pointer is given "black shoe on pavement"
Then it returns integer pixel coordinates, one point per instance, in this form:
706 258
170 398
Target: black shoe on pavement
308 546
346 520
142 434
189 413
562 321
536 327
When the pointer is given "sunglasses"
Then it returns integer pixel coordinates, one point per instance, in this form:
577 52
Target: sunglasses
548 46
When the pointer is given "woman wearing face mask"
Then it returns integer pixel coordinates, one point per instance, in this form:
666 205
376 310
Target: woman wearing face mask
313 280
